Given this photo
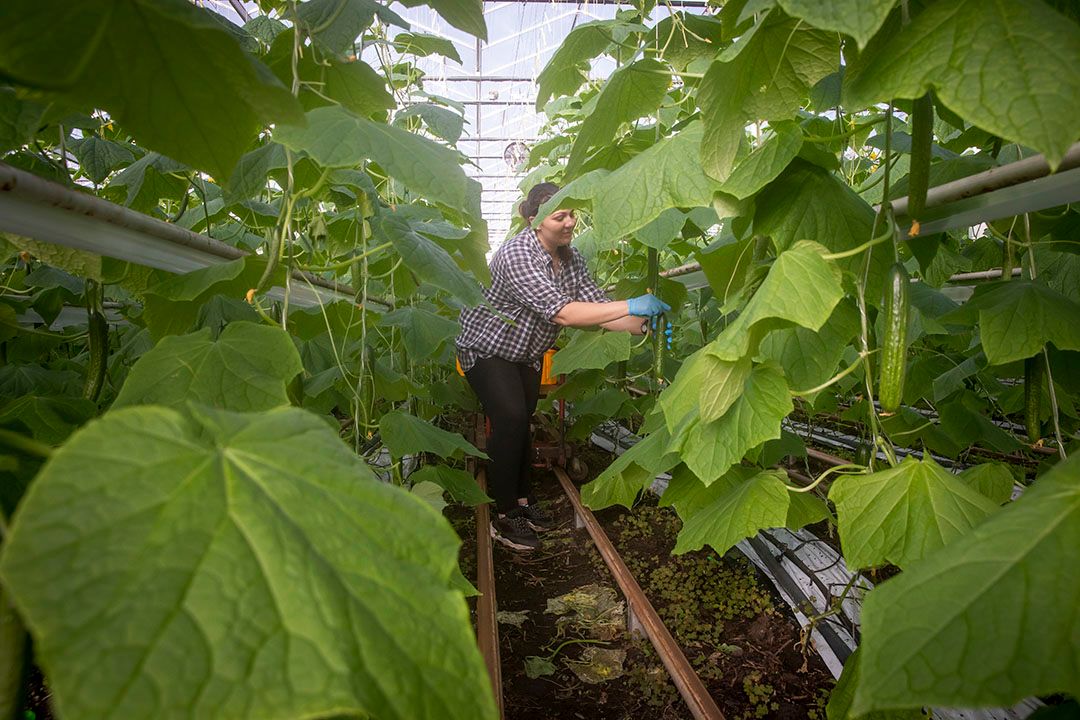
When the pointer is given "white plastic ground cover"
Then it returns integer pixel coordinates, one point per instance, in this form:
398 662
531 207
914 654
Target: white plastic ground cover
805 569
379 461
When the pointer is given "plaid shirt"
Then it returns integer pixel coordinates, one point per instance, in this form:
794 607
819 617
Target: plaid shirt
526 289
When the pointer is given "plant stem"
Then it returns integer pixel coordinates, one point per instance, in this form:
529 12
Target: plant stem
25 445
888 234
1054 410
835 378
347 262
835 469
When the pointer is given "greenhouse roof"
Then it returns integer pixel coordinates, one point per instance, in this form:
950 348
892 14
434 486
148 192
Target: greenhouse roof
495 82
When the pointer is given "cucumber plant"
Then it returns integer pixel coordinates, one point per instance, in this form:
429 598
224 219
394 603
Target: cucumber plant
780 127
189 525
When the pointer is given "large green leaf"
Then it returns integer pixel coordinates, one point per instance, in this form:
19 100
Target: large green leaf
902 514
48 419
738 508
1059 270
630 473
18 380
120 55
705 383
709 449
596 349
843 694
440 121
666 175
726 267
99 157
424 44
172 305
1008 67
630 93
249 177
406 434
335 25
19 119
460 484
802 288
429 261
964 421
858 18
357 87
766 162
246 369
770 76
992 479
685 37
1016 319
566 70
987 621
809 203
467 15
424 331
226 565
810 358
666 227
148 180
335 137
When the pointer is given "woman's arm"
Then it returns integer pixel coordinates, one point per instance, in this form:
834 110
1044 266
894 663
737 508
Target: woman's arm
590 314
630 324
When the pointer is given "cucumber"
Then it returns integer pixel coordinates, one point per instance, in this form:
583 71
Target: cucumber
894 339
98 337
657 323
922 139
864 453
1034 370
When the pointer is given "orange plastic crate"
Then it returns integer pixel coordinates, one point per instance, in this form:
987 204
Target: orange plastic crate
546 378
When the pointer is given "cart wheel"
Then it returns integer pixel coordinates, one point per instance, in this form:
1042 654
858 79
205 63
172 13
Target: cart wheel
578 470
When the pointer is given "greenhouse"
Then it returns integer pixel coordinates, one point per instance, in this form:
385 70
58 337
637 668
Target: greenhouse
539 359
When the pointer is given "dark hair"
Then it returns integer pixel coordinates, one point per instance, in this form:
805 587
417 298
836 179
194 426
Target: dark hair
539 195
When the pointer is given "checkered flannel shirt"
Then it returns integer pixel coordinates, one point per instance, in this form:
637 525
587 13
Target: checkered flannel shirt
526 289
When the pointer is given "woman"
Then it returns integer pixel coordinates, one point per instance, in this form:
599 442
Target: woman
539 284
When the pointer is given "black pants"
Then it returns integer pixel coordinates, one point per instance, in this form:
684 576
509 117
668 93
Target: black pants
509 392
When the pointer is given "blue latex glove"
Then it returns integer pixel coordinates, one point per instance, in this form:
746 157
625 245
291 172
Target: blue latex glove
647 305
667 332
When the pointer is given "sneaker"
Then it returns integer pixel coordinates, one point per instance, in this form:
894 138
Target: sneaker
513 531
538 519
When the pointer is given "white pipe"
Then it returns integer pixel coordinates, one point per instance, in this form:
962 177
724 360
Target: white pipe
47 211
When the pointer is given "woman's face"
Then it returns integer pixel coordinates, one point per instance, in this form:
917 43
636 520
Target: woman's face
558 227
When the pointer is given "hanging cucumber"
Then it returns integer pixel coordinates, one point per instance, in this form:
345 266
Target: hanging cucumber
894 339
1034 370
657 323
864 453
98 336
922 139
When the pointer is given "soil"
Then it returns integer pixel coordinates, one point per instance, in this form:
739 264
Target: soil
732 625
730 622
36 704
525 582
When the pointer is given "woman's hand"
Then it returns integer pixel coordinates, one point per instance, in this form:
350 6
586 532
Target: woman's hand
647 305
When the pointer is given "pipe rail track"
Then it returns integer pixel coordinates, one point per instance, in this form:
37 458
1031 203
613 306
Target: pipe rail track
686 679
641 612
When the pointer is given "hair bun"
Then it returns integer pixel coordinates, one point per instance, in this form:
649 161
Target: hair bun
538 195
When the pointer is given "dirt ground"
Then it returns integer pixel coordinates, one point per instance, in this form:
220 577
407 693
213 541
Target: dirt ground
731 624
